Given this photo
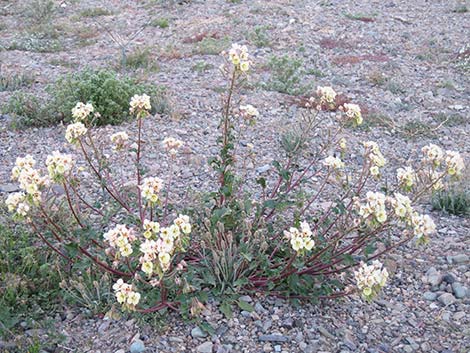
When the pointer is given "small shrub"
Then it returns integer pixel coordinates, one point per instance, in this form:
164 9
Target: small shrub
454 200
140 59
211 46
37 42
29 278
202 66
108 93
286 75
361 17
95 12
40 11
260 37
13 82
160 22
27 110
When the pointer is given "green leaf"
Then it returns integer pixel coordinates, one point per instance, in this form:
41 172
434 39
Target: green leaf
226 309
245 306
262 182
205 326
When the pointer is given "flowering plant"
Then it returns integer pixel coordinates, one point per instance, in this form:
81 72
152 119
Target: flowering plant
289 239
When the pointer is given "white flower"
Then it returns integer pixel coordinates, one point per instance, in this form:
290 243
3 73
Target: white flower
140 103
370 279
238 55
353 111
327 95
119 139
74 132
333 162
81 111
454 163
406 177
423 226
373 154
59 164
172 145
151 188
300 239
248 111
433 154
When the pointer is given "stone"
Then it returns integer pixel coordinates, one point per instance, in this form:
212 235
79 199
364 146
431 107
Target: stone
137 346
206 347
288 323
446 299
459 290
120 351
448 278
460 258
273 338
259 308
325 333
198 333
7 188
434 278
430 296
263 168
459 315
277 348
246 298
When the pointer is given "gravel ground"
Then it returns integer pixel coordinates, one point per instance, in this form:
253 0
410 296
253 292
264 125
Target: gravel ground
397 58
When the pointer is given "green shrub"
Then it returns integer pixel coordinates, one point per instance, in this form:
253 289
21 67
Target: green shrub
286 75
160 22
27 110
455 201
29 278
108 93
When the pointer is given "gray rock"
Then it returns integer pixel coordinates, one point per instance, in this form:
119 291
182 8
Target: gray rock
206 347
446 299
434 278
448 278
288 323
263 168
273 338
198 333
137 346
430 296
325 332
246 298
460 258
9 188
259 308
459 290
267 325
277 348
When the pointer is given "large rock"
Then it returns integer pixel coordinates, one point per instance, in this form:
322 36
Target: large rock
446 299
206 347
459 290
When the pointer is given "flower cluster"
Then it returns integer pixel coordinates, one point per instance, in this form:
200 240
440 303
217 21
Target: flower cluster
300 239
454 163
139 104
406 177
327 95
402 206
433 154
119 139
238 55
58 165
248 112
74 132
157 249
333 162
375 157
17 204
423 227
126 295
29 178
353 111
370 279
151 188
172 145
81 111
374 206
150 228
122 238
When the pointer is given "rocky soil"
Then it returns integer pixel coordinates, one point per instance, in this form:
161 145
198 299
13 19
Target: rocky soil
397 58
